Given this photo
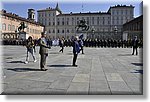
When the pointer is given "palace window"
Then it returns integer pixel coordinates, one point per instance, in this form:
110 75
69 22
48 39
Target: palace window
49 23
4 26
53 23
63 23
13 27
63 31
53 31
27 29
58 23
9 27
67 23
67 30
58 31
49 31
97 20
93 20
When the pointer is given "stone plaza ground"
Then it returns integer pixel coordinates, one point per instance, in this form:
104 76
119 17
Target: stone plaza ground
102 71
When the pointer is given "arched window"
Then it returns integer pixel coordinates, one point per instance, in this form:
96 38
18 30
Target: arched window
68 31
9 27
13 28
3 26
30 30
62 31
58 31
49 31
27 29
53 31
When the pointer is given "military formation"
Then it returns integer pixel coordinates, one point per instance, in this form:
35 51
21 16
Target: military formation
109 43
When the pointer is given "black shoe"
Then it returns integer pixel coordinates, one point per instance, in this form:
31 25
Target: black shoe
75 65
132 54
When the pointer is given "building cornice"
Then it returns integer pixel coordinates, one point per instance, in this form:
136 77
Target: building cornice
89 13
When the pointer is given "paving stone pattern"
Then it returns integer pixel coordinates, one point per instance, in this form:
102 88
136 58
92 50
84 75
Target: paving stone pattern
100 71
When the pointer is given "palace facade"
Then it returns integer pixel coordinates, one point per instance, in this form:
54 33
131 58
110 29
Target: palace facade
107 24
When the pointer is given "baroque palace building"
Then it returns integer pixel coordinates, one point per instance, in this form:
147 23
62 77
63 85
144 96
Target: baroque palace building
107 24
10 22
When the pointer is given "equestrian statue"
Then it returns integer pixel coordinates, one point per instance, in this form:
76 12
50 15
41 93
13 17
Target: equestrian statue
22 27
83 25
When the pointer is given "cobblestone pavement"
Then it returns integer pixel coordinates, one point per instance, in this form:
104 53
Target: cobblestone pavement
100 71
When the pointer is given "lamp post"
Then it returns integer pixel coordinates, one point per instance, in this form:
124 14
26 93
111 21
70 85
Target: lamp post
115 30
93 30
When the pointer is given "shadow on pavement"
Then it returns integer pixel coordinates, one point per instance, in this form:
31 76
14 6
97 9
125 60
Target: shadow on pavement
124 54
59 65
137 64
16 62
23 69
138 71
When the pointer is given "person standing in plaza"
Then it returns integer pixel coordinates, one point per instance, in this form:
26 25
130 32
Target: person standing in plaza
43 51
135 45
30 49
76 50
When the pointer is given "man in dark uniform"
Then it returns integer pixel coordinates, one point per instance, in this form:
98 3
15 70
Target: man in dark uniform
76 50
43 50
135 45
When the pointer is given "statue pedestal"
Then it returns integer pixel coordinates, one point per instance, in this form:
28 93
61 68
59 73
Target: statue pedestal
23 35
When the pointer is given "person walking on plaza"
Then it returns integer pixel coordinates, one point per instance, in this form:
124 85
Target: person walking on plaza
81 45
30 49
135 45
43 51
76 50
61 44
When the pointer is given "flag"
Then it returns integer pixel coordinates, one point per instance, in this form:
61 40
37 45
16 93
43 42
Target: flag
81 36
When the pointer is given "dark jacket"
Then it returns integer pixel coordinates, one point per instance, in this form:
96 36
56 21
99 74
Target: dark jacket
135 43
29 44
76 48
61 43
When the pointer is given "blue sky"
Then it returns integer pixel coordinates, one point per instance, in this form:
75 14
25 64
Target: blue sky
21 8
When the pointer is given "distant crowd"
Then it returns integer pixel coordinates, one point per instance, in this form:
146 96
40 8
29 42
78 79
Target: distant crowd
86 42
